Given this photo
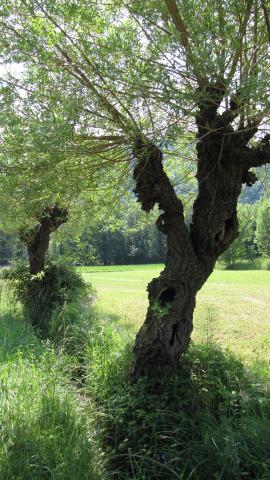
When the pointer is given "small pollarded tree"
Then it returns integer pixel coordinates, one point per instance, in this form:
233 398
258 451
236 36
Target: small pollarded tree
144 75
29 206
38 190
35 201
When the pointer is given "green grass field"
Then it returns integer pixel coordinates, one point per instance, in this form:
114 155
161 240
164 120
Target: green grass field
67 411
233 307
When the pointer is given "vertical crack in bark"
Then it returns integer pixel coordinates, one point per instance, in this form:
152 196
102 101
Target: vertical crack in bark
174 333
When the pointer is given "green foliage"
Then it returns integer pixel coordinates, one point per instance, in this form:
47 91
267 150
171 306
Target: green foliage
263 228
10 248
160 310
256 264
244 247
103 246
125 235
87 79
46 296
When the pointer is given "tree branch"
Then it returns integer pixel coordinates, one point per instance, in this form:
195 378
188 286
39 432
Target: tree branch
184 37
256 156
266 18
242 32
178 23
152 184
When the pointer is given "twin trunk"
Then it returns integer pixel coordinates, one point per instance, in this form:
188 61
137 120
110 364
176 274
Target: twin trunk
168 325
191 253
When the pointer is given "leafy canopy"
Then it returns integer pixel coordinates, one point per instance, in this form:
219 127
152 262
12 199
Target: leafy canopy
84 79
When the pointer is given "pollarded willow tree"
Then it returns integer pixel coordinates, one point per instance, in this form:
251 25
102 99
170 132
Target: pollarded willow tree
29 205
35 199
144 75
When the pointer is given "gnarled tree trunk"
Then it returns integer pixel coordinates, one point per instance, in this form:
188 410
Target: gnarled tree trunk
168 325
223 161
37 302
37 239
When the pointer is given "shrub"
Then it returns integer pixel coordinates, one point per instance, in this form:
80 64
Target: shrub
46 296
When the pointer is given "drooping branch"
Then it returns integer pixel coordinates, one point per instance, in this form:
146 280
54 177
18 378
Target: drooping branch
241 34
94 67
37 239
178 23
266 19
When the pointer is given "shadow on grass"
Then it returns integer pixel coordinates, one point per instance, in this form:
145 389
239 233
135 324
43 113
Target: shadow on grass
210 420
51 443
16 336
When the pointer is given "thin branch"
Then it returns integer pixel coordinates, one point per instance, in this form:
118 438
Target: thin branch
90 63
78 73
184 37
242 32
178 23
266 18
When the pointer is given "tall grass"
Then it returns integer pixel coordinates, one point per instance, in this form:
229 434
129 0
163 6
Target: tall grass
46 431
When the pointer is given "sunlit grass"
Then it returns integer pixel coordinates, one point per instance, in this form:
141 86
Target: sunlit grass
233 307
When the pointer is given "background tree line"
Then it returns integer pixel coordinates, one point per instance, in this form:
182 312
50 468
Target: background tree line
131 238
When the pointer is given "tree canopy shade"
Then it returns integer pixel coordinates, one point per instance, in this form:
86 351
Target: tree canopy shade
130 80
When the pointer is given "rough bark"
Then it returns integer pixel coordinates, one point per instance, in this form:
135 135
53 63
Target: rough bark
168 325
37 239
223 162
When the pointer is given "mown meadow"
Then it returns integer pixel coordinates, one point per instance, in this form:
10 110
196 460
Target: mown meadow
69 412
233 307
